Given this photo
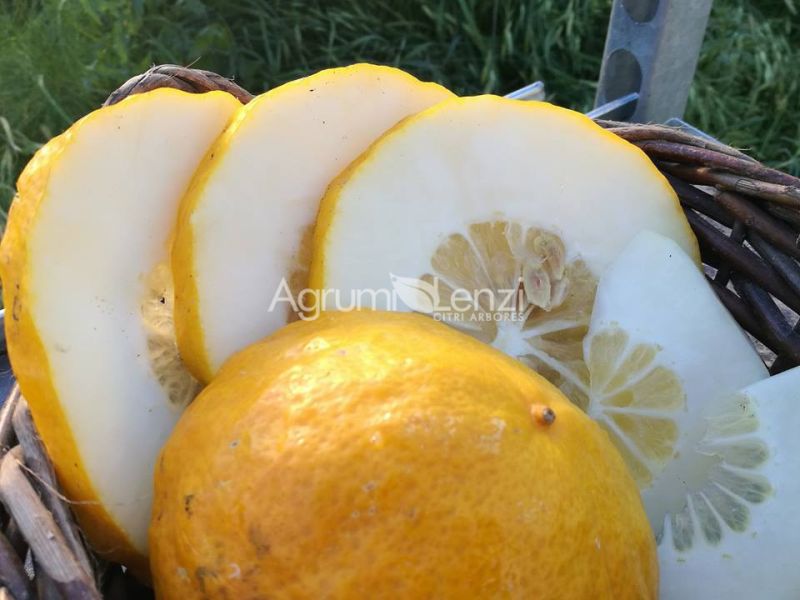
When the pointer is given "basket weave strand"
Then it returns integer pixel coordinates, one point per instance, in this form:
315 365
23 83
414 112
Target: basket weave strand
746 217
195 81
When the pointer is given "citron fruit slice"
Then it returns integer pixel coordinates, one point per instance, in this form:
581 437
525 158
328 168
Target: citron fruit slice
739 535
717 468
87 293
388 455
244 230
495 215
662 352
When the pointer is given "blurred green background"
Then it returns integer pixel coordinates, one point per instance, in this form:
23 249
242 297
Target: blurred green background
60 58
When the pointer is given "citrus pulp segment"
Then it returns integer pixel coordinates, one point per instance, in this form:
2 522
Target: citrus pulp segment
663 358
89 324
242 239
497 216
739 536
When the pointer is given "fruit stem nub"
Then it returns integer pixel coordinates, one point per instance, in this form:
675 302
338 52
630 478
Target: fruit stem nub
543 415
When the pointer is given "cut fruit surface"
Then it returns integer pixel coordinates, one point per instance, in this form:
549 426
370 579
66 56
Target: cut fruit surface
717 467
242 239
496 215
739 535
662 354
88 293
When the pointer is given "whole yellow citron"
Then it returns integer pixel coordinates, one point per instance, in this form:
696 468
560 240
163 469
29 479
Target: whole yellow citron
384 455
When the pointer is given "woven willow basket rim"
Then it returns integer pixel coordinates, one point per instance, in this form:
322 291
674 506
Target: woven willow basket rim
746 217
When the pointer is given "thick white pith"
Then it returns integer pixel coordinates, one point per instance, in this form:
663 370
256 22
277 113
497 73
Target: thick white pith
488 193
483 160
723 504
101 230
252 220
655 295
757 557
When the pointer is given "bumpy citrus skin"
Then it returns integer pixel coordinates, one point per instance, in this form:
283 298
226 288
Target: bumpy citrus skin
386 455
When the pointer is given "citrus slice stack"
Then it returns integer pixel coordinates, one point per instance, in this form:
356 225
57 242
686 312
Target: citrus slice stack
497 216
88 294
717 467
242 239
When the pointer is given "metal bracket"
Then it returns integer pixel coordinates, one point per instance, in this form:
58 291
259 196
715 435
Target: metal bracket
532 91
651 50
614 108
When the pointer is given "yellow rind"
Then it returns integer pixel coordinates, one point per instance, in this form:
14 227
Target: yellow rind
29 359
188 328
32 368
328 204
188 324
273 452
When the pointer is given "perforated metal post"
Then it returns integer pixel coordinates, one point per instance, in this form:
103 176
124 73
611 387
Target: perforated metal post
650 57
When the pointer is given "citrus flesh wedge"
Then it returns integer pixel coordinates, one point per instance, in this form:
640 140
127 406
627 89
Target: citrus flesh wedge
88 297
495 215
662 352
717 467
386 452
244 230
741 538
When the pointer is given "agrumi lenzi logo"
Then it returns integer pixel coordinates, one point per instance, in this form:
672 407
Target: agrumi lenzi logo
431 297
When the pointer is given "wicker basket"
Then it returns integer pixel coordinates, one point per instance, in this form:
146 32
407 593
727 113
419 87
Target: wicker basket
746 217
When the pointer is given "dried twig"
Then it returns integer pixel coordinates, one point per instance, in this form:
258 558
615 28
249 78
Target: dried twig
784 195
46 540
772 320
785 266
760 221
12 572
743 261
181 78
683 153
37 461
635 132
6 418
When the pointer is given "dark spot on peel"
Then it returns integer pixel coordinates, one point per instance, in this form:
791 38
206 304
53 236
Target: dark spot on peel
15 309
259 541
187 504
201 574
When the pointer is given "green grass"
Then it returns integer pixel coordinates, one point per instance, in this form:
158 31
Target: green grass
60 58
